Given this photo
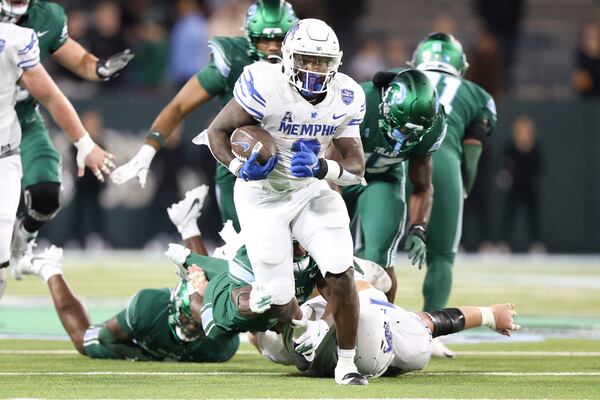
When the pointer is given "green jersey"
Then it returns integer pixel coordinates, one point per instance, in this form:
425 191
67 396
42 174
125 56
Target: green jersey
146 320
383 157
229 56
220 317
464 102
49 22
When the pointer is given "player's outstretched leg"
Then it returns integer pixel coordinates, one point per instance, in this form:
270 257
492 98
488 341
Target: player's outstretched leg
73 316
344 303
42 202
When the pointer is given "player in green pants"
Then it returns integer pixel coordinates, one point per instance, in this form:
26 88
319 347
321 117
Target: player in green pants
266 24
403 121
471 116
41 162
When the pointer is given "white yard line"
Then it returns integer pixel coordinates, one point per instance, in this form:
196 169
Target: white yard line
458 353
234 373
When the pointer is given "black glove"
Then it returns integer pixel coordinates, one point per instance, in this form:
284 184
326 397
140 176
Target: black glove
109 68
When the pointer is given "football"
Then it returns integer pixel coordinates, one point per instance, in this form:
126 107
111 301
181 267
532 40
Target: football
249 139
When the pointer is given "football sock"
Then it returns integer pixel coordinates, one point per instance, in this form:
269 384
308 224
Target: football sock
438 282
345 363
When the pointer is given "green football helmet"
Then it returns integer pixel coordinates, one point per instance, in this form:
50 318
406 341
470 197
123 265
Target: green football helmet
11 12
440 52
180 312
267 19
409 108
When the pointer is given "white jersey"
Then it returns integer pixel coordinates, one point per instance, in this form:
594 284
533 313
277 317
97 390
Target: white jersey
265 93
19 51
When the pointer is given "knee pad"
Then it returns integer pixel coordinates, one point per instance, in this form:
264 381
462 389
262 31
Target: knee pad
43 200
447 321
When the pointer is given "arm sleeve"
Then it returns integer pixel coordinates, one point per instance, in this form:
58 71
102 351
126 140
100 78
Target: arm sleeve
249 92
61 36
213 77
351 126
28 53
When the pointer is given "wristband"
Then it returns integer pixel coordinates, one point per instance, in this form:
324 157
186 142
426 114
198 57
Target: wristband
487 317
84 146
157 137
234 166
419 230
333 169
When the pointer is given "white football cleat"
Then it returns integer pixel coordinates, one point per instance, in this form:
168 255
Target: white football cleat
21 249
188 209
439 350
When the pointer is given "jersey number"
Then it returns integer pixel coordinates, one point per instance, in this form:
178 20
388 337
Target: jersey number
447 88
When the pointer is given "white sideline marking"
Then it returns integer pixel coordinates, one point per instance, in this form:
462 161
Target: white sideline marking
459 353
227 373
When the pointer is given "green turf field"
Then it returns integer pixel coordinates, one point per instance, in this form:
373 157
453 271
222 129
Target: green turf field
557 355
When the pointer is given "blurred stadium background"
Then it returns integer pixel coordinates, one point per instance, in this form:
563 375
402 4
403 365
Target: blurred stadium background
537 188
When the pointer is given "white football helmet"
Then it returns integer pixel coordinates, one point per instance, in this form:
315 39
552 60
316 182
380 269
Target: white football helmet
311 56
11 12
374 342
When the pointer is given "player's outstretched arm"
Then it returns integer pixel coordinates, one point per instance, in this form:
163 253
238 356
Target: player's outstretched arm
231 117
498 317
191 96
41 86
420 171
81 62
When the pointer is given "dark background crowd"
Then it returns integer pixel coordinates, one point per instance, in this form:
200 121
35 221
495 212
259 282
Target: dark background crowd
518 50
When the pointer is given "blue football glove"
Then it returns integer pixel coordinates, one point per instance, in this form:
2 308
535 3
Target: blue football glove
305 163
253 171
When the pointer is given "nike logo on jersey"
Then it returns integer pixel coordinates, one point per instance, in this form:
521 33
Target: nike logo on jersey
40 34
338 116
245 146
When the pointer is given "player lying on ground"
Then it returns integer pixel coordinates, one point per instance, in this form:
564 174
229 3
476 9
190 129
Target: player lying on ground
390 340
20 65
41 181
232 304
157 324
267 22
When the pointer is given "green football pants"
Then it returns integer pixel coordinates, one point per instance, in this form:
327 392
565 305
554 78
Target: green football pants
378 210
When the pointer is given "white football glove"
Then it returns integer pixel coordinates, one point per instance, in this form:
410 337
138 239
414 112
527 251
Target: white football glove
260 300
138 167
110 67
177 254
308 335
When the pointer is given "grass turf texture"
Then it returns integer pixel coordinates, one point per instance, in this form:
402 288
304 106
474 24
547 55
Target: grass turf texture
549 292
247 375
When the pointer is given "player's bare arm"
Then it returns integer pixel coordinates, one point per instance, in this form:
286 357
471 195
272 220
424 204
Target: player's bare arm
420 170
498 317
231 117
352 156
78 60
37 81
191 96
